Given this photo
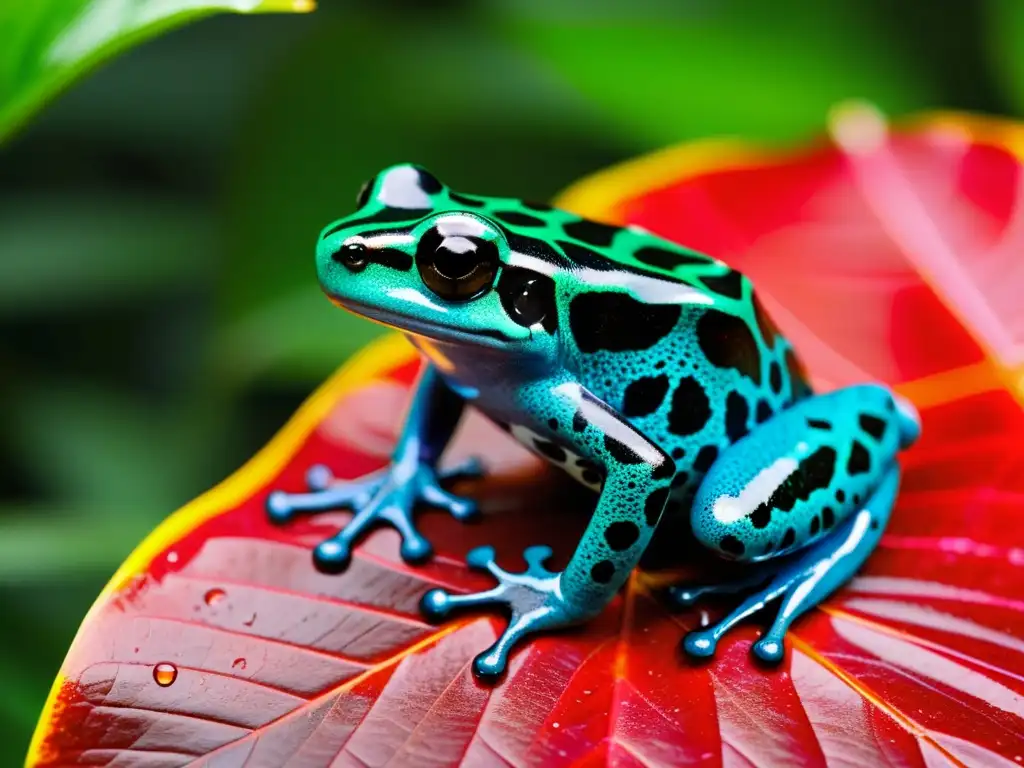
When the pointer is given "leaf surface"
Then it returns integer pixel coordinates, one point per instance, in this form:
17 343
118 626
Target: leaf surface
883 255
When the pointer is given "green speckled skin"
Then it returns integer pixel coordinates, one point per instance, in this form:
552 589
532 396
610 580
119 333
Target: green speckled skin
647 371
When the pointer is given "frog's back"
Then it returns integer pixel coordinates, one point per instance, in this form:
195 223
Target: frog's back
675 341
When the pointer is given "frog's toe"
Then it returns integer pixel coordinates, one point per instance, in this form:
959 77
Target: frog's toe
435 605
700 644
415 549
279 508
470 469
481 558
282 506
770 650
319 478
332 555
458 507
489 667
531 598
686 596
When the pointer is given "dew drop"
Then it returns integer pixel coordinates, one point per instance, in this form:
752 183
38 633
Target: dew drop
238 663
165 674
214 596
172 557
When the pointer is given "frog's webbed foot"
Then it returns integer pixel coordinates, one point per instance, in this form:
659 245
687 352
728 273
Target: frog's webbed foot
802 580
386 496
533 599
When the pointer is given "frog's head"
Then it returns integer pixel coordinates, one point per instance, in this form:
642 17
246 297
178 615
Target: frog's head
426 260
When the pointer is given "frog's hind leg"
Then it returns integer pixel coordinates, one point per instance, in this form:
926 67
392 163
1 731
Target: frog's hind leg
802 499
808 577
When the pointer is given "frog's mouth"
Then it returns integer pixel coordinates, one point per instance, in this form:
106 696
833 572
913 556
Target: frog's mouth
430 329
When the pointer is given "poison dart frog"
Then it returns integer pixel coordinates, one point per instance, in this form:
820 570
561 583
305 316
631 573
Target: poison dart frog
647 371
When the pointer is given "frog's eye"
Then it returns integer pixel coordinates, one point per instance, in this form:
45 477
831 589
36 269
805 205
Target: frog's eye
528 298
456 265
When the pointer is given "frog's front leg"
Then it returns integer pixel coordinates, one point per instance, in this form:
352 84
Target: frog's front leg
805 499
632 499
389 495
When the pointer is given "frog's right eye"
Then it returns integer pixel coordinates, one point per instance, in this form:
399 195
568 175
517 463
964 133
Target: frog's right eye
528 298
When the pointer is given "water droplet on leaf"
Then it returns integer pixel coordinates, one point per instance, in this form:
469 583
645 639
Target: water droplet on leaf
165 674
214 596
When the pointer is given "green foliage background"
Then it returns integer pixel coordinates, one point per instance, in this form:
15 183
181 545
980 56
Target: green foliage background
159 318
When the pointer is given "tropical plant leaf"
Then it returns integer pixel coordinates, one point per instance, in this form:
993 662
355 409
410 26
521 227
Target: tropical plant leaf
884 255
46 44
1005 32
637 65
80 251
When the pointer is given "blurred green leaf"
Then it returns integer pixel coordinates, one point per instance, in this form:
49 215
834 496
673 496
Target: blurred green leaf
110 452
757 68
22 695
44 544
65 250
40 619
435 90
300 333
1006 45
46 44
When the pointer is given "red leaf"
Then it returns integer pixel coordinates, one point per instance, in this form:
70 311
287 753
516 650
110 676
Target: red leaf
894 258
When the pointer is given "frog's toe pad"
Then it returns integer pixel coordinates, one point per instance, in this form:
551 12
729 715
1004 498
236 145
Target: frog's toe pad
489 666
769 650
332 556
531 599
319 478
279 508
435 605
415 549
684 597
481 558
700 644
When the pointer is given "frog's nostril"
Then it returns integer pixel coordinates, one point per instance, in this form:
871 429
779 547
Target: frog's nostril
352 256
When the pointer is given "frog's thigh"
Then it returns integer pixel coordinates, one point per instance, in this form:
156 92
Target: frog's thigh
808 577
790 482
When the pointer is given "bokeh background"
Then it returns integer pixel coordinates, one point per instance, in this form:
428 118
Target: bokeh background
159 317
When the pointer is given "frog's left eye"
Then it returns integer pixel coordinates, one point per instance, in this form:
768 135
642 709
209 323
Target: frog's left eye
457 266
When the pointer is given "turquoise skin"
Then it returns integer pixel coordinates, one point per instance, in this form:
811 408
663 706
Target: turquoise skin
647 371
